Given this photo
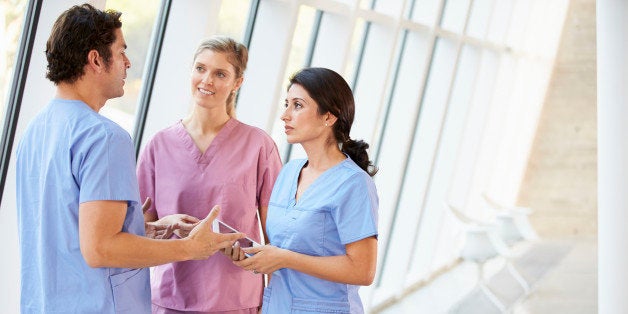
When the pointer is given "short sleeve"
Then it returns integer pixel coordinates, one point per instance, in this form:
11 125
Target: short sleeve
356 213
146 176
103 165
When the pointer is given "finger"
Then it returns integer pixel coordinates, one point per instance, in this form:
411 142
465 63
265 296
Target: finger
168 232
252 249
244 263
226 240
187 219
185 227
212 215
146 204
235 252
242 255
228 250
164 233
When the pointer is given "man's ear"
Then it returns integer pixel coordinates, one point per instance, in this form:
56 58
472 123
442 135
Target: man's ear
95 61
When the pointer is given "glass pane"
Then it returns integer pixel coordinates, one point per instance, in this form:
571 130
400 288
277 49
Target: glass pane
479 18
233 18
355 50
394 150
443 241
455 15
424 150
138 19
518 23
367 4
389 7
11 20
298 53
498 25
494 127
476 119
369 91
425 11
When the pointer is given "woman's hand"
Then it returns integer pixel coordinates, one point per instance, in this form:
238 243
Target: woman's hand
235 253
265 259
153 229
157 231
182 224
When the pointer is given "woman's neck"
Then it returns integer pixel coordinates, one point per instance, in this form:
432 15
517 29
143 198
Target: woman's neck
205 121
323 156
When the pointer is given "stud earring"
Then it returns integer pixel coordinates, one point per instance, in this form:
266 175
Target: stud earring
326 124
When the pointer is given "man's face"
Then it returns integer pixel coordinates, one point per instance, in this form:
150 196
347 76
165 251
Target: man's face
116 69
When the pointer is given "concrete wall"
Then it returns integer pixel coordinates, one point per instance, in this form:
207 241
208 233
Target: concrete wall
561 179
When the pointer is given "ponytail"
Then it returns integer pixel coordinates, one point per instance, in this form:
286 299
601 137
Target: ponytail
332 94
357 152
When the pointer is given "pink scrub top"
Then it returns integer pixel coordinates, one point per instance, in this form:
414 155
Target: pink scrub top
237 172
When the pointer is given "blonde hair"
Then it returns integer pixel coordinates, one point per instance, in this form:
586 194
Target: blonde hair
237 55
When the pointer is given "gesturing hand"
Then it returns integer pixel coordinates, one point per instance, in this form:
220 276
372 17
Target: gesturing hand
203 242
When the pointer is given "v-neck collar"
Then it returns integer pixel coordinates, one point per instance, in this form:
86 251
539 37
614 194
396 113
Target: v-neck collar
293 193
214 147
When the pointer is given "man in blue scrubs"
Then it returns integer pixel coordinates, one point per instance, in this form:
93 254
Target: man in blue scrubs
81 225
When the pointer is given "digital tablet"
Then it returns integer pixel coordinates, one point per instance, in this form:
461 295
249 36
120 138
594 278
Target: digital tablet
221 227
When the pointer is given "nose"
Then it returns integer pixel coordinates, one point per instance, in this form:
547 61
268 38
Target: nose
206 79
284 116
127 62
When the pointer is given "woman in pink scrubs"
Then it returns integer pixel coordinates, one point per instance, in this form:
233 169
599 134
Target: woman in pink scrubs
209 158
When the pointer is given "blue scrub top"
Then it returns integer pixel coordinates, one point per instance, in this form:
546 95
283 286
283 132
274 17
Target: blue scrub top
68 155
338 208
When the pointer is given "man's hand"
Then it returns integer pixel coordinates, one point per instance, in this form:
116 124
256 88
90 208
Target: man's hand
203 242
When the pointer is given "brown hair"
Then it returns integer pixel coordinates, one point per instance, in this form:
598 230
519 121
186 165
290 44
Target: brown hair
75 33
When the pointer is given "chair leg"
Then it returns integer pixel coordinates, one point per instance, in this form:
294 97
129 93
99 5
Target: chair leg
518 276
492 297
487 291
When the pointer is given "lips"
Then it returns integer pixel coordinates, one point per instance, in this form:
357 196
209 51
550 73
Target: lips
206 92
288 128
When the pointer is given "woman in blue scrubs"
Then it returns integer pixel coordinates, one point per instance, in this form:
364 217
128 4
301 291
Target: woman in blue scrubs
322 216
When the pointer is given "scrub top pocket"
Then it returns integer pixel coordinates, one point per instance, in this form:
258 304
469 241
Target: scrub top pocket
309 306
310 240
131 291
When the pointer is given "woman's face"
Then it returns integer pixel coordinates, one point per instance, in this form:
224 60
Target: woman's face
301 119
213 79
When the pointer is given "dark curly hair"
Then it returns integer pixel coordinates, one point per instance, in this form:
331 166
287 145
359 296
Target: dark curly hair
332 94
76 32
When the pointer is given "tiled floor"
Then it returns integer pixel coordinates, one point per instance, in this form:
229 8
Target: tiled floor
568 284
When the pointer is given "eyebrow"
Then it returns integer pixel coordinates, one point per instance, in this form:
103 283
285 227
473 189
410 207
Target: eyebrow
217 69
297 98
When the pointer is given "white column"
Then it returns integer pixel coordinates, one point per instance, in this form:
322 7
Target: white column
612 89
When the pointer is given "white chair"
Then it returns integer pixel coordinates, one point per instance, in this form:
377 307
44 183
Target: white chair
482 243
513 221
